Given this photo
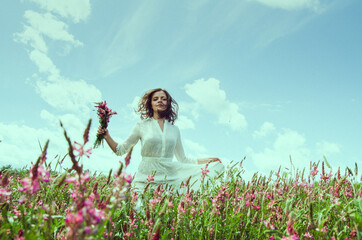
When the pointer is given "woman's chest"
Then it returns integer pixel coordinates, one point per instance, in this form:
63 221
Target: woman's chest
154 136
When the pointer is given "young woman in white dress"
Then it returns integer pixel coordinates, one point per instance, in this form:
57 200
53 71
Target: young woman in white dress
161 141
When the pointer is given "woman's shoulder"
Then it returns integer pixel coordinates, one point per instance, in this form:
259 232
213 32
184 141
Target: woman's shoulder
143 122
141 125
173 126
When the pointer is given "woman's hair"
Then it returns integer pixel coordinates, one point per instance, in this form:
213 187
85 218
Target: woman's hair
145 106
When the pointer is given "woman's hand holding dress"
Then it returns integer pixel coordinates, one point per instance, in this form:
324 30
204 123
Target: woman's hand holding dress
208 160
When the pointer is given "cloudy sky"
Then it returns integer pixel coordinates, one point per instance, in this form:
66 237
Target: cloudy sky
261 79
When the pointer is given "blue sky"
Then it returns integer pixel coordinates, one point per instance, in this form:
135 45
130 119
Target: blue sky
264 79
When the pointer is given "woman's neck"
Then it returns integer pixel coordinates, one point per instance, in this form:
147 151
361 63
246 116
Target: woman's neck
158 118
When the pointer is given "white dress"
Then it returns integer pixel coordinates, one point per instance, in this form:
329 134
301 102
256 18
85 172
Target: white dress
157 151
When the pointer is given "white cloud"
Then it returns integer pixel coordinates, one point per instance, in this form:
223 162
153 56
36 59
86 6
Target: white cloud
41 25
48 25
124 49
265 129
72 96
325 148
44 63
129 112
21 134
135 102
194 149
184 122
76 10
33 38
209 97
288 143
291 4
57 91
187 108
72 122
49 117
19 146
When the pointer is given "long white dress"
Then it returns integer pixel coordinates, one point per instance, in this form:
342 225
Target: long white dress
157 151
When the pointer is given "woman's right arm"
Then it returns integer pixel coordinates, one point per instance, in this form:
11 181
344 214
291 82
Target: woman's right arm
124 147
111 143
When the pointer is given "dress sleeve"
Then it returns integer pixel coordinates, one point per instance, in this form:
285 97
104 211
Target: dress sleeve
180 153
132 139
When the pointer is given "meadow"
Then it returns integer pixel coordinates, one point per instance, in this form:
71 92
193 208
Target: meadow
41 203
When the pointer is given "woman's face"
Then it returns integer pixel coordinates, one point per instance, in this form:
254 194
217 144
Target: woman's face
159 101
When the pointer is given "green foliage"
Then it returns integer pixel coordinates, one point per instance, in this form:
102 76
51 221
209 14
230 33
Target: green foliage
227 207
6 167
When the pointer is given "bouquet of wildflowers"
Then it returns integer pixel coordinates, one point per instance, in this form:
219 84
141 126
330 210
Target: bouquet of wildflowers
104 113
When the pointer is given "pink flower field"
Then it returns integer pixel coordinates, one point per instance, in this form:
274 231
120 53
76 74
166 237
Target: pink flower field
39 203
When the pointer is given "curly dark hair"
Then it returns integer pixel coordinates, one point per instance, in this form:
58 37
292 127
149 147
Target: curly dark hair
145 106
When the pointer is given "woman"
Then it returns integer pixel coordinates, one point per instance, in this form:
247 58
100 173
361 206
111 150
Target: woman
161 141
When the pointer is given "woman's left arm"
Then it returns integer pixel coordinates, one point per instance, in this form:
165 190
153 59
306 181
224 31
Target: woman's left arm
180 154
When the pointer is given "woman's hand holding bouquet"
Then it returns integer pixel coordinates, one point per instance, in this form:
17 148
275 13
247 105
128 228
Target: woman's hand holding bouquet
104 113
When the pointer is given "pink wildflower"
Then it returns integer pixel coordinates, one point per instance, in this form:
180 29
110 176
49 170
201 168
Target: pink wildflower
158 192
17 214
134 197
20 234
81 151
256 207
85 177
127 234
324 177
87 230
127 159
290 228
211 229
269 196
353 233
292 237
150 178
314 171
152 203
205 170
308 235
35 186
79 217
181 207
127 177
4 192
201 211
